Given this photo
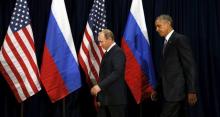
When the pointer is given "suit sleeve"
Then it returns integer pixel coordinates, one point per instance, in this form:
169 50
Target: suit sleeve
118 67
188 63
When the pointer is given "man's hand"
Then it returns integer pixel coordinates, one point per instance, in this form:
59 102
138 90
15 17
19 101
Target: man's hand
192 99
95 89
153 96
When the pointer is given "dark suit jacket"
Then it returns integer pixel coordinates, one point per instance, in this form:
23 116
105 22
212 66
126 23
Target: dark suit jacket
112 83
177 69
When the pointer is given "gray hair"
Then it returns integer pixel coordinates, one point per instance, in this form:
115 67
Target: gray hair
166 18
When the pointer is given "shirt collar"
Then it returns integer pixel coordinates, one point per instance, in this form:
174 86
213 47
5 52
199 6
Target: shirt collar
110 47
169 35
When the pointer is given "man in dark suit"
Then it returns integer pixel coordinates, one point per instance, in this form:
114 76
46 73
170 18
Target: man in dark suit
177 70
111 90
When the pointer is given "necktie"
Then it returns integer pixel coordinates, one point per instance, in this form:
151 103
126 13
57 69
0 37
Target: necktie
105 54
164 45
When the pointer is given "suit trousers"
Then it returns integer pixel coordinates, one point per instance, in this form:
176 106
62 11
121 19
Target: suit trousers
173 109
112 111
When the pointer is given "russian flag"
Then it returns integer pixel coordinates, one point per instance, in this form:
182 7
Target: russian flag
139 73
59 70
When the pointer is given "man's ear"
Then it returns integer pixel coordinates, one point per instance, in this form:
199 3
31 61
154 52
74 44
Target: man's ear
169 23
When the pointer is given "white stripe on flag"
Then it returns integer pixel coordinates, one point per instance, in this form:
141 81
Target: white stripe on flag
28 46
93 42
18 68
64 25
86 61
137 11
28 27
13 78
27 62
92 58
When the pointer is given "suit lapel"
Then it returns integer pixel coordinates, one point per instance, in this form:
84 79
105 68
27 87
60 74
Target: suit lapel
107 54
172 37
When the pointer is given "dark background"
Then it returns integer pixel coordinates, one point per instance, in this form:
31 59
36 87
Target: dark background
198 19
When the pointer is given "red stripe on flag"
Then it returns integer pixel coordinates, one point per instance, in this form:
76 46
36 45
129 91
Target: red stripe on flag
92 47
92 68
51 78
135 78
29 38
19 58
15 72
11 84
83 65
27 53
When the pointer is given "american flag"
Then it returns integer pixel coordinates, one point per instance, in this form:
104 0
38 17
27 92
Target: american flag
91 53
18 61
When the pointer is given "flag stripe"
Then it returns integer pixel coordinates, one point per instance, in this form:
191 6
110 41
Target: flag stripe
26 61
25 37
97 48
29 39
82 63
14 70
23 53
12 80
29 30
84 66
51 78
29 52
89 52
89 62
22 62
94 53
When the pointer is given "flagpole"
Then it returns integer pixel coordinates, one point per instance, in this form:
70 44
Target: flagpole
140 110
64 107
22 110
